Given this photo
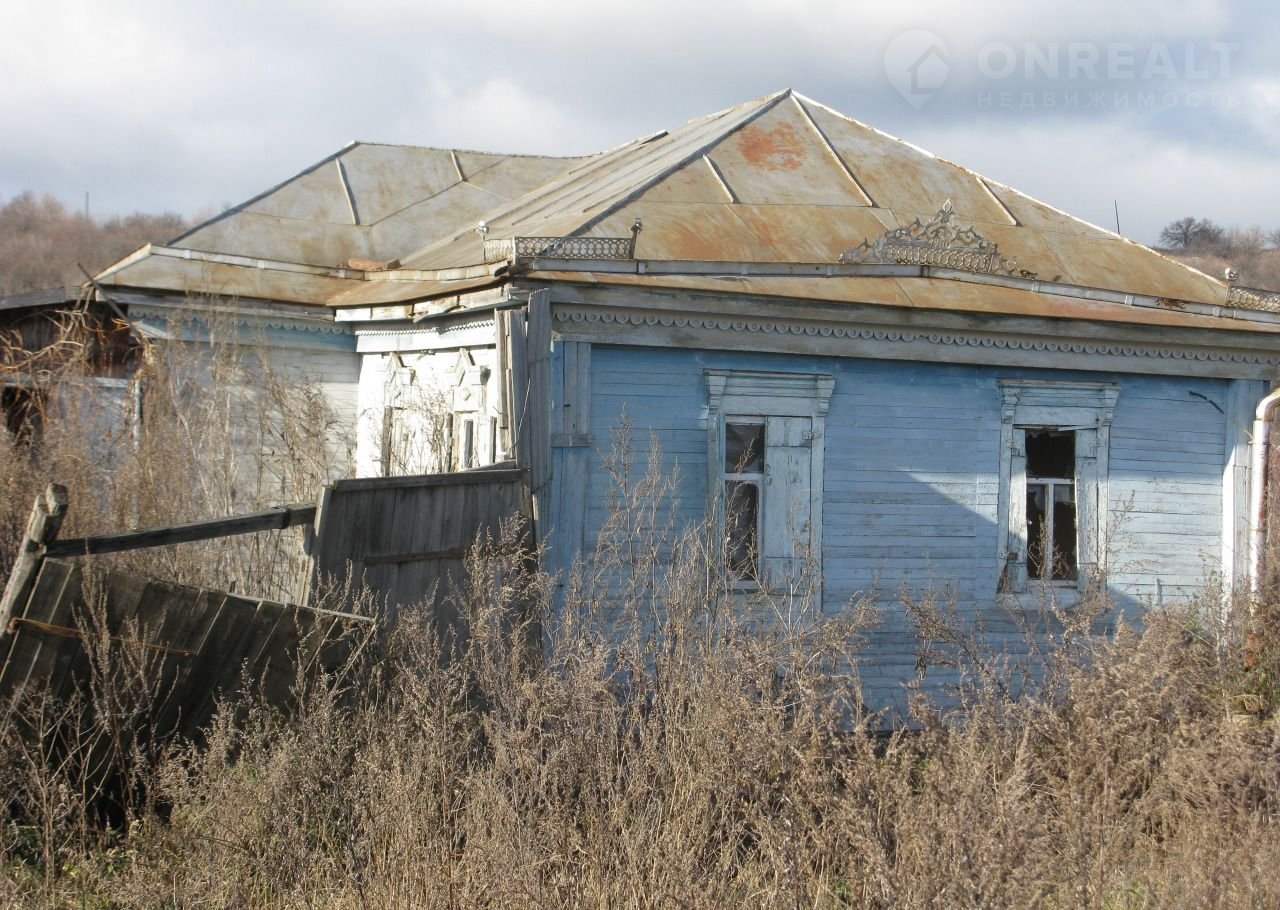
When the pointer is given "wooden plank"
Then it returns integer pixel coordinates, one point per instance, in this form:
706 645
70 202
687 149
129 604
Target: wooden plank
450 553
563 368
275 663
238 624
273 519
519 357
121 596
538 418
195 706
46 604
414 481
199 614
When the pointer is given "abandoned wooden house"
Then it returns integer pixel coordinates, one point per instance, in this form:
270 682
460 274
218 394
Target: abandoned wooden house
892 369
46 335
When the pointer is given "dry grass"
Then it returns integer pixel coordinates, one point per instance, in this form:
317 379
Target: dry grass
665 750
716 764
192 431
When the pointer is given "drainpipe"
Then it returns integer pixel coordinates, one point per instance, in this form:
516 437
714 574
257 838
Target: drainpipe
1257 482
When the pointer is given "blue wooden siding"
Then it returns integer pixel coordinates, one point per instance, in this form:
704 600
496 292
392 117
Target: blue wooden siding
911 478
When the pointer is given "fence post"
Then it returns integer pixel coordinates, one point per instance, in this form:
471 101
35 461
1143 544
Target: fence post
42 527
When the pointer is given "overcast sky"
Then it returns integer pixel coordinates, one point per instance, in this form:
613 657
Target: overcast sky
1165 107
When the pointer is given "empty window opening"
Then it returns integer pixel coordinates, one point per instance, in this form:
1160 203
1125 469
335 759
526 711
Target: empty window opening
744 447
1051 505
468 455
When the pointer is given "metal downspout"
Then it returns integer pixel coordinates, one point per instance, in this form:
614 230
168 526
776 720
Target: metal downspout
1257 483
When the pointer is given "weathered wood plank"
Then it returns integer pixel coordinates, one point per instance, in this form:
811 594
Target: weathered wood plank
42 527
273 519
49 603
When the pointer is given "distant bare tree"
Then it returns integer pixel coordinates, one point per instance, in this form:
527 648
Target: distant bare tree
41 241
1191 233
1243 243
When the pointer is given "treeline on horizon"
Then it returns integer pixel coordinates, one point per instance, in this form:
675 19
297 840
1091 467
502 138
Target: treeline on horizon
43 244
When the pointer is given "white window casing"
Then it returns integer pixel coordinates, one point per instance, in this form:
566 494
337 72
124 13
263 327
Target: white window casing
1085 409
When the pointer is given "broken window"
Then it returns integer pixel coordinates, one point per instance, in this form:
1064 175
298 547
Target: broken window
1051 504
1054 502
744 454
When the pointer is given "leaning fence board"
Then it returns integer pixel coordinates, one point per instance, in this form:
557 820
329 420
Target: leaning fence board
270 520
196 646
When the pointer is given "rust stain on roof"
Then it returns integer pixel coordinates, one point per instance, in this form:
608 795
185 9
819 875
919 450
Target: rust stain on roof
780 148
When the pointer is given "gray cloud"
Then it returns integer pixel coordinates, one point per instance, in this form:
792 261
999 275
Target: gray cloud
159 106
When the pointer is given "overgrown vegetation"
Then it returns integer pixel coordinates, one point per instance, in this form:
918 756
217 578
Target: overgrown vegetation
43 244
669 747
182 431
1251 253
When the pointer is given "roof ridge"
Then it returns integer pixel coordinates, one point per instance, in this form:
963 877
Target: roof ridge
461 151
758 108
704 132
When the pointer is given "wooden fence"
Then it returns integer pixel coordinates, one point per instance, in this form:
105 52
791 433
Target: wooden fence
406 538
185 646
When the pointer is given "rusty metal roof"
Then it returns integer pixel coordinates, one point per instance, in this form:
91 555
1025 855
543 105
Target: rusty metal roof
778 180
785 179
371 201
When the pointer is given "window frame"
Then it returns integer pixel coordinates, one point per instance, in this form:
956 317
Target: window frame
728 475
1086 409
744 396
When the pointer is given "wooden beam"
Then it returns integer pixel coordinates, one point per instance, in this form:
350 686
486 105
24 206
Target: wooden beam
272 519
395 558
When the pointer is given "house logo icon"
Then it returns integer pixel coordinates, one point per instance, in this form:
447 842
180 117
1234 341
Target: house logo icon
917 64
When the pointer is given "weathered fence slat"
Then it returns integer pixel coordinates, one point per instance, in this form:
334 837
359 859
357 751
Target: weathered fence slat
42 527
270 520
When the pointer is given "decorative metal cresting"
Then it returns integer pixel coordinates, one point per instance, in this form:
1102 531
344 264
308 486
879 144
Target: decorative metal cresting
1253 299
517 248
938 242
